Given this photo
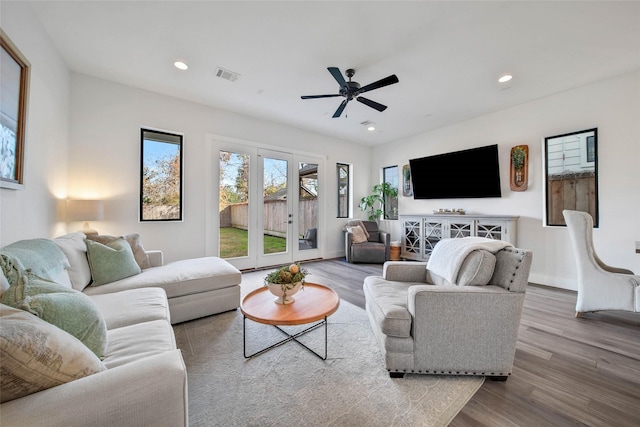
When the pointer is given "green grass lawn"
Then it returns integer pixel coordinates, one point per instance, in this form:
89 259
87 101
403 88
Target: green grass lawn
234 243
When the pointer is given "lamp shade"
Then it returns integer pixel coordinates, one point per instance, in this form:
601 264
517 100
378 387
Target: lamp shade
84 210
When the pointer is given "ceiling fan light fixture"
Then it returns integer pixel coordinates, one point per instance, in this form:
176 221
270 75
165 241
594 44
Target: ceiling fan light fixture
505 78
181 65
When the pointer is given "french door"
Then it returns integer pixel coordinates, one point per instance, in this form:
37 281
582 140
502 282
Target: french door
269 207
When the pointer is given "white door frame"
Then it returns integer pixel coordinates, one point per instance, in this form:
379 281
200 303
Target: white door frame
216 143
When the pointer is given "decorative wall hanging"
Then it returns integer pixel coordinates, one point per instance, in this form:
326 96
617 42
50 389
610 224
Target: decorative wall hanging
519 172
407 189
14 95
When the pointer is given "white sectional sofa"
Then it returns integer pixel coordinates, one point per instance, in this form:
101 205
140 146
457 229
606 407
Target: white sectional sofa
139 379
195 287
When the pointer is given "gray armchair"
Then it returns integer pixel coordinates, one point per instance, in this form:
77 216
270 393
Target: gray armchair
447 328
374 251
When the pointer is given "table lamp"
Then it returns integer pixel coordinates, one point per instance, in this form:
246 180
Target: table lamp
85 210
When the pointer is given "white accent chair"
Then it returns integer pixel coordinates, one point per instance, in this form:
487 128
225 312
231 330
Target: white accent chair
600 287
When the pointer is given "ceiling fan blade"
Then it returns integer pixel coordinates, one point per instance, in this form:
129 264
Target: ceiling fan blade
380 83
340 108
335 72
371 103
318 96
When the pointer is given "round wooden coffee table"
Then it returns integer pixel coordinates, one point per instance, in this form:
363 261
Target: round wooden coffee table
312 304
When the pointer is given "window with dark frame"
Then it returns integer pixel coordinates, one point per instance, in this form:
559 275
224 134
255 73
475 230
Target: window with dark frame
160 176
344 191
390 176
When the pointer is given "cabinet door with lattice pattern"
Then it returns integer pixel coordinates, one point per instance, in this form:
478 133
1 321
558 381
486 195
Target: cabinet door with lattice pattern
458 229
491 231
433 232
412 241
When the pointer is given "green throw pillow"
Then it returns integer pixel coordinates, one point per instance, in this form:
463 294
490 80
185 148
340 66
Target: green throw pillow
68 309
111 262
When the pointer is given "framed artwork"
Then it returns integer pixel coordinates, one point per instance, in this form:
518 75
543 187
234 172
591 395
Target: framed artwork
160 176
14 94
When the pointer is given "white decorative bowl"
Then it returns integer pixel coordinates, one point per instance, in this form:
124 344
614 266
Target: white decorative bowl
283 297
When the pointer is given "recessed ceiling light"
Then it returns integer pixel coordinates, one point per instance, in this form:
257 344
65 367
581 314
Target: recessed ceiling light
181 65
505 78
371 128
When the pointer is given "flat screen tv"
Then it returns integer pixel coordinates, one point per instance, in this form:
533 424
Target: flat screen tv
472 173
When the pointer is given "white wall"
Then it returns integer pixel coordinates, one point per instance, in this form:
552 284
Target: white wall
105 160
32 211
613 106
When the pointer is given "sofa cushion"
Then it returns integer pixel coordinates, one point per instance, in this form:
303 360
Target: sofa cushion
476 270
134 342
75 250
68 309
43 257
371 252
358 234
132 306
179 278
36 355
139 254
110 262
388 305
4 284
357 223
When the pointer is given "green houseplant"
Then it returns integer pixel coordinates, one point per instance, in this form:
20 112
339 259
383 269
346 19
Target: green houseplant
374 203
517 158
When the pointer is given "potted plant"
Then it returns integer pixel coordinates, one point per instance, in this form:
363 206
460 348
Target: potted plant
374 203
518 156
285 282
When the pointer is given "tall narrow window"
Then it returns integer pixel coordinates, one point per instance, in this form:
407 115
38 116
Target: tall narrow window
390 176
343 190
160 176
234 204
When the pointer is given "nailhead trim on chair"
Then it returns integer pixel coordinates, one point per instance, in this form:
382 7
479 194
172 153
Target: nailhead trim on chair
485 374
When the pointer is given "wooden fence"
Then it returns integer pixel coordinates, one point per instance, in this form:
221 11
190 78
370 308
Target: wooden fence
575 192
274 216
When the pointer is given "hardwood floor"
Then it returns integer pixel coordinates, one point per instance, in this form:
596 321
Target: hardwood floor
567 371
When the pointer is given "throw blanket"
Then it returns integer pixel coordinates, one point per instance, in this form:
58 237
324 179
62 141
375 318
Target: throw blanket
42 256
449 254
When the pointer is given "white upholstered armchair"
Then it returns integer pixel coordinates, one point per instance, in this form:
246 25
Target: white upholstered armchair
600 287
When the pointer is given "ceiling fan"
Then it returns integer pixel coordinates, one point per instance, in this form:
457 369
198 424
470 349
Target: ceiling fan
352 90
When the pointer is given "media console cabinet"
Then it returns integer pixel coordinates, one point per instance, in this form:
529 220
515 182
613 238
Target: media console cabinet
420 233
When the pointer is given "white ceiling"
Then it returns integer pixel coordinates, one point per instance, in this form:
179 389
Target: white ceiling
447 55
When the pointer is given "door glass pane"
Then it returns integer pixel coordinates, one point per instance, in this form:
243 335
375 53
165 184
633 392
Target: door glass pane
234 204
275 212
307 206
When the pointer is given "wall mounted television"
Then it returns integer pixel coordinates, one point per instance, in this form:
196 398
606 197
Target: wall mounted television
472 173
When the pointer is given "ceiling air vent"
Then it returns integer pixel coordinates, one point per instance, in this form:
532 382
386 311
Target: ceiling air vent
365 123
226 74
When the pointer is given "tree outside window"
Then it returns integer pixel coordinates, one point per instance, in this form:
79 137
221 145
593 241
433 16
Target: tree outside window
160 176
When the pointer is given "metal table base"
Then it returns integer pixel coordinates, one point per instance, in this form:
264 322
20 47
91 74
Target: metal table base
290 337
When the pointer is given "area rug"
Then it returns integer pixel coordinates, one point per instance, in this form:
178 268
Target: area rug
289 386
